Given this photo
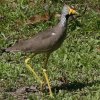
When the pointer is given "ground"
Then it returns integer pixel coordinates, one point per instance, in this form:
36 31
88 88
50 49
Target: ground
74 69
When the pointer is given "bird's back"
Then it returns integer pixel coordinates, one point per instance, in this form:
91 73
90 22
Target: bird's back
46 41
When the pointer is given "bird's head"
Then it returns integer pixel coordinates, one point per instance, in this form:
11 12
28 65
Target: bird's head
68 11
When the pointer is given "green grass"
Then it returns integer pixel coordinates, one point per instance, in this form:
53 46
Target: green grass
78 60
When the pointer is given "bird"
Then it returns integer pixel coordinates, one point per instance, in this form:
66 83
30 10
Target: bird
45 42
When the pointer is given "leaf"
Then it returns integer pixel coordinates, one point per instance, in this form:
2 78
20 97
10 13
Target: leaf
37 18
40 18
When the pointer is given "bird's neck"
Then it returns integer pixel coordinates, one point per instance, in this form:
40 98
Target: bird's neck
63 20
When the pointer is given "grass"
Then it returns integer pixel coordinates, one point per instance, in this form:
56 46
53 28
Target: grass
74 69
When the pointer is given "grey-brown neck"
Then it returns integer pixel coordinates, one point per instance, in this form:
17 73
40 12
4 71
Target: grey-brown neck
63 20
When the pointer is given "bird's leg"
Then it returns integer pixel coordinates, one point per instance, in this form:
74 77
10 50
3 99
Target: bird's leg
45 75
32 70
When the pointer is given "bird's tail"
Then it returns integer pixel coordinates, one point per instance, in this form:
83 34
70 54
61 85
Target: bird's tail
2 50
7 50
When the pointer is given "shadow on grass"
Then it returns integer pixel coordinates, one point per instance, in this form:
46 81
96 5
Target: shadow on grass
64 86
73 86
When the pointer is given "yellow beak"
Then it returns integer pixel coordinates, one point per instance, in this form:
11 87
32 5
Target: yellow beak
73 12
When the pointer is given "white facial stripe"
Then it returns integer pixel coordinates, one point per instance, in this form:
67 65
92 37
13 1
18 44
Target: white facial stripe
53 33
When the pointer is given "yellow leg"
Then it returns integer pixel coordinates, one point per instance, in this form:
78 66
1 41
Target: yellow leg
47 80
32 70
46 76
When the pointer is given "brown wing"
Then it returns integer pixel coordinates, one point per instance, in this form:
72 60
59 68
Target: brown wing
43 41
40 42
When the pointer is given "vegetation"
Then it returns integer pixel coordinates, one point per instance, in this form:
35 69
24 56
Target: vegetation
74 69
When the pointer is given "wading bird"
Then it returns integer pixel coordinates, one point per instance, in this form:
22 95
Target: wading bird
45 42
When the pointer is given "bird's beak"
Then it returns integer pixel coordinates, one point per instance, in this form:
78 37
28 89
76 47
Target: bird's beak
73 12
